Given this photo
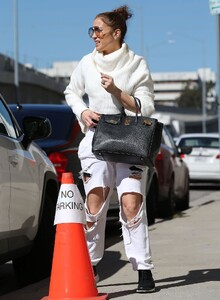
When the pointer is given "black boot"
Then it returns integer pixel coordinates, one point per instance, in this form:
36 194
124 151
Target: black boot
145 282
96 275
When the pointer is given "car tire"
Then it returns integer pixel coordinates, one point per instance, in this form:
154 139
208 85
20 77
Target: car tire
151 201
36 265
183 203
167 207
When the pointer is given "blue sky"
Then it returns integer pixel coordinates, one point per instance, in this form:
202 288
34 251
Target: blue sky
174 35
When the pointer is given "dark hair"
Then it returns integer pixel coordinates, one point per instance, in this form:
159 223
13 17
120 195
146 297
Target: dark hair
117 19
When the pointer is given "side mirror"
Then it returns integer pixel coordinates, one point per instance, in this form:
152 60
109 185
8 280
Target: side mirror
36 128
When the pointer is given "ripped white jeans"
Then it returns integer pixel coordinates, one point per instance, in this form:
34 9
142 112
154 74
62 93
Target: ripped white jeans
126 178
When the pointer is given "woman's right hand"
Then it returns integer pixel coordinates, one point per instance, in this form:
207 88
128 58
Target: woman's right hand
90 118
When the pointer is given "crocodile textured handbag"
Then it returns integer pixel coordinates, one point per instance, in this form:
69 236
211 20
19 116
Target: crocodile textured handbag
127 139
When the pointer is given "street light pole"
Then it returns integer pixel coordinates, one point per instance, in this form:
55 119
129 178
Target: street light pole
218 70
203 79
204 94
164 42
141 10
16 70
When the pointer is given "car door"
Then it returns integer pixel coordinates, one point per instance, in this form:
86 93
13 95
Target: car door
180 179
4 188
24 185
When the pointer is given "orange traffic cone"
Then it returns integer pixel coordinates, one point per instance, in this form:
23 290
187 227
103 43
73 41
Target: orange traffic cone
72 276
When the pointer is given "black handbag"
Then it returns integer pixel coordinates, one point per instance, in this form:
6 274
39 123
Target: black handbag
127 139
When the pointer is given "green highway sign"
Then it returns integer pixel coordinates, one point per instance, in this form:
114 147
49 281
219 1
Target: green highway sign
214 6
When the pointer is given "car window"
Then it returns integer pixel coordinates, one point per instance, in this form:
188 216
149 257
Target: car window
205 142
167 139
7 125
61 121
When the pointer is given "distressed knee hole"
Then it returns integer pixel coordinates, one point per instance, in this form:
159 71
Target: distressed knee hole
96 206
136 173
134 221
98 195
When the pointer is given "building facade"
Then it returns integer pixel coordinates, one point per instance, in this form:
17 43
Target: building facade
167 86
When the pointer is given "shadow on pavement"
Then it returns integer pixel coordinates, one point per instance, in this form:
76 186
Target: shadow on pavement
205 186
193 277
123 293
112 234
110 264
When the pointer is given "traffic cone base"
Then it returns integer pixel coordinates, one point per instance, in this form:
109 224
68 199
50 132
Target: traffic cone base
100 297
72 276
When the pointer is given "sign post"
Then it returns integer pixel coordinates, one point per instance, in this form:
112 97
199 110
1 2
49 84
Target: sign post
215 10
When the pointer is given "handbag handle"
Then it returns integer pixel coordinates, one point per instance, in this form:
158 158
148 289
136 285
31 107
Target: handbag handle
138 107
137 104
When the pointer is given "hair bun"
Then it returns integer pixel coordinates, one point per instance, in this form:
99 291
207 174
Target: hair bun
124 12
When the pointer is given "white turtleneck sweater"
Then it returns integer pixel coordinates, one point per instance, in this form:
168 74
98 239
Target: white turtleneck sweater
129 72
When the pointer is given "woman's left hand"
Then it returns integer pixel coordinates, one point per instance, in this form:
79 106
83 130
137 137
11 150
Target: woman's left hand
107 82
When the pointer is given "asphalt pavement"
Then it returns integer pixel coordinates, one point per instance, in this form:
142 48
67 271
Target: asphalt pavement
186 256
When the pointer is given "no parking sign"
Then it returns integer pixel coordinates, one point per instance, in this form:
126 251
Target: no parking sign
70 206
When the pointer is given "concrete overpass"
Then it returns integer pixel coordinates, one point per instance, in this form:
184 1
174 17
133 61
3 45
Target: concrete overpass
34 86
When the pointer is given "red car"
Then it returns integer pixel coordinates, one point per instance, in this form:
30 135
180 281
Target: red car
173 177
